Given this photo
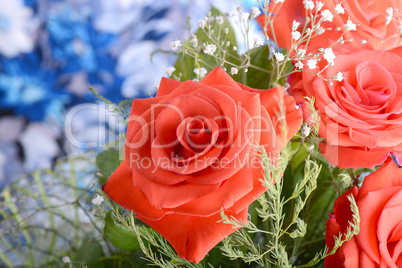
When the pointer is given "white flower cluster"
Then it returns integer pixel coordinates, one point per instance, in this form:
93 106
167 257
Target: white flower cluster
390 15
350 26
338 77
308 4
279 56
175 45
170 70
210 49
97 200
200 72
329 55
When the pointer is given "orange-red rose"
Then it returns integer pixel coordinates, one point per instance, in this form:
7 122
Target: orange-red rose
379 242
369 16
361 116
192 150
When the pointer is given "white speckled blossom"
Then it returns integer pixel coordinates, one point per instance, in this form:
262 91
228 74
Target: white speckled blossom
15 20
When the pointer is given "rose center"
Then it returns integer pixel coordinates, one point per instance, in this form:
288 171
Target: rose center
375 84
195 135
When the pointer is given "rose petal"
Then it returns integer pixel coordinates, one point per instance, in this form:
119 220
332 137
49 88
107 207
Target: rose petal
270 101
342 210
333 229
166 86
258 189
192 236
232 190
344 157
178 110
171 196
120 189
282 14
396 254
370 208
365 261
387 176
219 77
390 217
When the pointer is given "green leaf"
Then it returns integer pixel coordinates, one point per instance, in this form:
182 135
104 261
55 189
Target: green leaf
89 254
186 64
202 36
107 162
262 76
119 235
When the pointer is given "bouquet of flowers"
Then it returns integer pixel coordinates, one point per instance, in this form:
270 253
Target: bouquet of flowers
280 152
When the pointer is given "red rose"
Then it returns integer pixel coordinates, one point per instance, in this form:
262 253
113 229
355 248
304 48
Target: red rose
379 242
360 116
369 16
191 151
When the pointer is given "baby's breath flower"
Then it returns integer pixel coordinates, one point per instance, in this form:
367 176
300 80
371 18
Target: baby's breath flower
170 70
390 14
338 76
350 26
301 52
210 49
311 147
318 5
320 30
220 19
327 15
312 64
296 35
194 41
234 70
66 259
258 41
202 23
175 45
226 30
295 25
306 130
279 56
244 16
279 1
97 200
329 55
339 9
299 65
200 72
255 12
308 5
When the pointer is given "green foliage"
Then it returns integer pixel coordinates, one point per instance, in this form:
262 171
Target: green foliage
258 78
90 254
261 73
283 224
121 108
193 57
119 235
107 162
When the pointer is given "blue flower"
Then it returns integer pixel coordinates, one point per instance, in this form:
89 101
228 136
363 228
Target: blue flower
74 43
29 89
